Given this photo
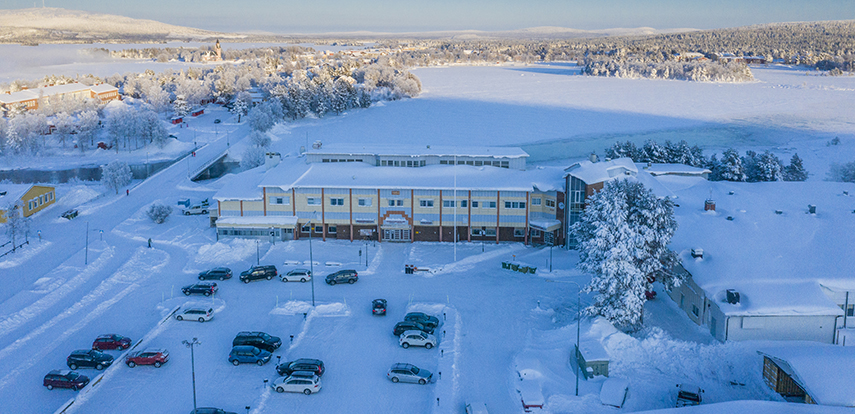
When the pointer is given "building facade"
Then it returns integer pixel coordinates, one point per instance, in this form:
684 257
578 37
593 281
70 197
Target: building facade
34 198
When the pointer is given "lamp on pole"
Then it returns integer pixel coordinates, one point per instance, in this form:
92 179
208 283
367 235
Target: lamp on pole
190 344
257 254
311 262
578 324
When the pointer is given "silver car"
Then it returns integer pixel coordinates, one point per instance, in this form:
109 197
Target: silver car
194 314
298 383
417 338
195 209
401 372
297 275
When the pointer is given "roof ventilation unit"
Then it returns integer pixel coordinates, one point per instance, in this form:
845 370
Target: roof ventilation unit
696 253
593 157
811 209
732 297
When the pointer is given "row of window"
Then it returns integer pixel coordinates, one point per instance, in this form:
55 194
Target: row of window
486 232
398 202
502 164
393 163
37 202
341 160
549 202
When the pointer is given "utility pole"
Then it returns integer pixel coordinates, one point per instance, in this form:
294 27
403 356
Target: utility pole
190 344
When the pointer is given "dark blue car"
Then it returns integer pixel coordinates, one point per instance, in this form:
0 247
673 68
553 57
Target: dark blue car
248 354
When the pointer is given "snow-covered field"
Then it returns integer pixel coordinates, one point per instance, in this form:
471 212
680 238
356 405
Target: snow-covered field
58 295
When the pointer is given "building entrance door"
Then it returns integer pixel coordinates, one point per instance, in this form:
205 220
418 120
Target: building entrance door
396 235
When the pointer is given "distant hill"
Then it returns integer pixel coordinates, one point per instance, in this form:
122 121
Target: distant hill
55 25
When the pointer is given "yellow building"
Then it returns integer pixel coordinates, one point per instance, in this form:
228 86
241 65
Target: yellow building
34 198
32 98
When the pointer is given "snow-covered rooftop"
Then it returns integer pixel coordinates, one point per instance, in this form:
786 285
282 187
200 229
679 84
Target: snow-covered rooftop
255 220
243 186
14 192
597 172
825 371
778 260
103 87
660 169
421 150
44 91
435 177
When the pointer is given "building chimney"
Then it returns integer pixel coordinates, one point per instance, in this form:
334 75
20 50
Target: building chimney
732 296
593 157
696 253
709 205
271 159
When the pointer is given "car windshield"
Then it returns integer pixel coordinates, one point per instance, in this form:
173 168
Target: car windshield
73 375
689 396
265 337
414 370
256 351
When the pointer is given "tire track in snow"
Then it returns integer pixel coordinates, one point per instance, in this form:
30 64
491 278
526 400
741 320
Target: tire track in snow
21 317
140 267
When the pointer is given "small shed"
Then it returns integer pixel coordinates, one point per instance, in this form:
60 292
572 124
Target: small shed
811 373
177 120
197 112
592 358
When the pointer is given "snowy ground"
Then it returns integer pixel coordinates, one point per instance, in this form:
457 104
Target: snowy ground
59 295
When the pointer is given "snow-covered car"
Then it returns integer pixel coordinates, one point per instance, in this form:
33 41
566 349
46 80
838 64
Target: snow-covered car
195 209
402 372
298 383
193 313
156 357
688 394
417 338
296 275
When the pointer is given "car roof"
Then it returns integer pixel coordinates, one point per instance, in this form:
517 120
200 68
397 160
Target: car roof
414 332
60 372
196 308
243 348
306 361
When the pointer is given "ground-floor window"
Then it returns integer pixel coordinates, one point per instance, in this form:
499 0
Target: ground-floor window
519 232
305 229
535 233
332 229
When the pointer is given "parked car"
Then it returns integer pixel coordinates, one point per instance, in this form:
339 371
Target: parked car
302 364
217 121
111 341
210 410
401 372
89 358
297 275
378 307
427 320
258 272
342 276
151 356
248 354
193 313
404 326
292 383
70 214
260 340
218 273
195 209
688 394
417 338
65 379
204 288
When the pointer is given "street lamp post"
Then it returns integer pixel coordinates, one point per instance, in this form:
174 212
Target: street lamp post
257 254
311 262
190 344
578 324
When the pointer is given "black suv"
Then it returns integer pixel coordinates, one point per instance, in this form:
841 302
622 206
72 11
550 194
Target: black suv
89 358
220 273
342 276
259 340
429 321
258 272
404 326
205 288
302 364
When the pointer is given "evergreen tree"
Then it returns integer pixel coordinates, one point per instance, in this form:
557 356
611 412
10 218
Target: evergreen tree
796 170
655 153
749 166
715 168
623 236
624 150
769 167
180 106
731 168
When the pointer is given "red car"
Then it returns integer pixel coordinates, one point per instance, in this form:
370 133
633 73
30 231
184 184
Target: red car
111 341
65 379
156 357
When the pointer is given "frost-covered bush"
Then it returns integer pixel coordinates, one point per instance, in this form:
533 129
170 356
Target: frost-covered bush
115 175
600 65
842 172
252 157
158 212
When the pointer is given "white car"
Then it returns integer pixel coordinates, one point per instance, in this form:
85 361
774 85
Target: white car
297 383
194 314
296 275
417 338
195 209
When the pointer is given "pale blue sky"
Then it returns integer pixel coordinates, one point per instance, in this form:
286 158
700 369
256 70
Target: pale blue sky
318 16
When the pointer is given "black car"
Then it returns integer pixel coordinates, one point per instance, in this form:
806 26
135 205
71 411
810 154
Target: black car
205 288
404 326
259 340
90 358
65 379
302 364
429 321
258 272
217 273
378 307
342 276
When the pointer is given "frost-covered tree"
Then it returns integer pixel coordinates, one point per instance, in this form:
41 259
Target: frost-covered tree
240 106
115 175
625 149
87 128
16 224
261 117
623 243
769 167
158 212
157 97
259 139
796 170
64 127
180 106
749 165
842 172
252 157
730 167
655 153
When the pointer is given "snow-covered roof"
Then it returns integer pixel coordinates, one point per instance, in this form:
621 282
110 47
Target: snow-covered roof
243 186
761 252
597 172
103 87
682 169
257 220
766 298
824 371
29 94
421 150
432 177
14 192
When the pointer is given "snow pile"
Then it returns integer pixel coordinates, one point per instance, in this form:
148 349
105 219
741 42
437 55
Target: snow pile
294 307
228 251
76 196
